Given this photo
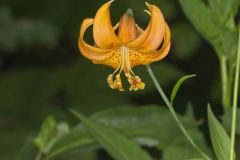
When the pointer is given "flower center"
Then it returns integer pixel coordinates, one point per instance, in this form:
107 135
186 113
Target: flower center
125 65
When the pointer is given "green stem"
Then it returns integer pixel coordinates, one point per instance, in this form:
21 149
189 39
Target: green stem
235 100
231 71
170 107
224 77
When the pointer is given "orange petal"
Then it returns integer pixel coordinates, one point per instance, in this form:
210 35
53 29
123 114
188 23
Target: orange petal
160 54
152 37
127 29
103 32
90 52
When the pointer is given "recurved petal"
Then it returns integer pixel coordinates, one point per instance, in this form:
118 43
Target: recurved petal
159 54
90 52
103 32
151 38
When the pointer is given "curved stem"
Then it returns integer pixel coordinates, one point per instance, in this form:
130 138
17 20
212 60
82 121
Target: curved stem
235 100
170 107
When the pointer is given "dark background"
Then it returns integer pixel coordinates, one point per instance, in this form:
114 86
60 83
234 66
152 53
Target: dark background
43 73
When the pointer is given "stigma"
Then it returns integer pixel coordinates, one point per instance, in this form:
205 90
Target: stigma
114 79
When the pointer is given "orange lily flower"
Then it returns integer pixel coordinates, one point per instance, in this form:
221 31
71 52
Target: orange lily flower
132 46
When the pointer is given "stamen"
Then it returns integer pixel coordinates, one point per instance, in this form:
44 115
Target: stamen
116 84
110 81
124 65
135 82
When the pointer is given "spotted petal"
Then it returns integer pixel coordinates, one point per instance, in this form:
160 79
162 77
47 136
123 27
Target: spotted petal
91 52
151 38
103 32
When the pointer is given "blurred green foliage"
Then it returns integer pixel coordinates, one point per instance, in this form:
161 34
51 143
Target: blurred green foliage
150 126
25 33
42 72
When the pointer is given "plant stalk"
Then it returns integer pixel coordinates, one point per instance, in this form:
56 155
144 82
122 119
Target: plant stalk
224 77
235 100
170 107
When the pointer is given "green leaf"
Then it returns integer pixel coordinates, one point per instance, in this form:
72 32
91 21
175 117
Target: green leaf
219 137
159 128
117 145
230 45
201 17
227 120
180 146
220 32
224 10
178 85
49 134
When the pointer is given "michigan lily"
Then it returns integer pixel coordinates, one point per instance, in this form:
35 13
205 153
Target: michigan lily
125 45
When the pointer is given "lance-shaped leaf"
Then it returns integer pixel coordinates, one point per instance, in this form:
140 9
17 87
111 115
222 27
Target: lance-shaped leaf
219 137
201 17
178 85
116 144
